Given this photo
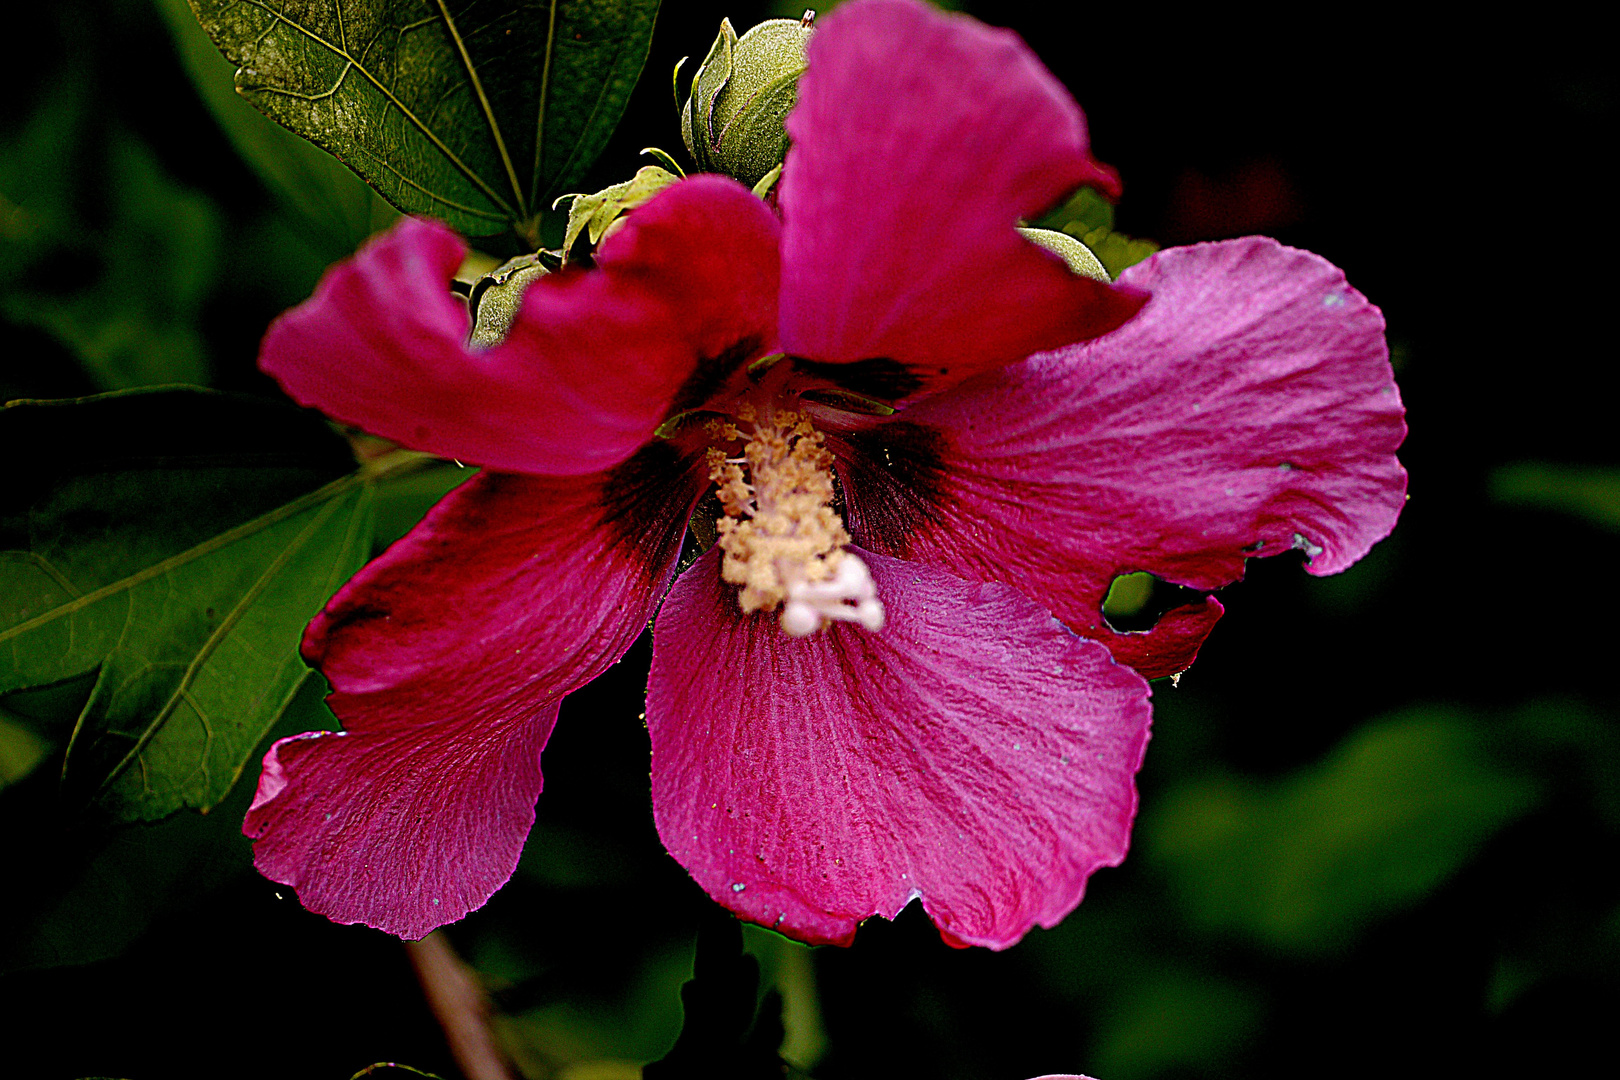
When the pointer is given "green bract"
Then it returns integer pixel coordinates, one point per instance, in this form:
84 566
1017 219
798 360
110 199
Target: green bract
594 214
741 95
1077 255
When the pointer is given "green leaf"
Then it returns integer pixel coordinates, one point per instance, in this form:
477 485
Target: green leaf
86 894
1392 813
477 113
175 543
406 497
336 208
711 78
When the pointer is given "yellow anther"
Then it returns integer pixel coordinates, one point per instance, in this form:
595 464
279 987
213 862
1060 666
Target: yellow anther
781 540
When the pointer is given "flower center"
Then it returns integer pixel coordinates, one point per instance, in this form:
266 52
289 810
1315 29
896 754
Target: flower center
782 542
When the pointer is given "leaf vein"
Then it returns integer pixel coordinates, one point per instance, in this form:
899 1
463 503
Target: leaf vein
545 91
485 107
393 99
221 632
212 544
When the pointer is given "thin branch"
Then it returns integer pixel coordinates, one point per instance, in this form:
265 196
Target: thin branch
459 1004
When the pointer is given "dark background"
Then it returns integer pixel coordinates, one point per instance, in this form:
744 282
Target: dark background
1379 816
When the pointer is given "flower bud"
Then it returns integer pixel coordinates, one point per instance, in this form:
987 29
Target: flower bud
496 297
741 95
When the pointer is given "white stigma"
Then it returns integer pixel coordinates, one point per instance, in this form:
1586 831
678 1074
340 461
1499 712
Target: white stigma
850 596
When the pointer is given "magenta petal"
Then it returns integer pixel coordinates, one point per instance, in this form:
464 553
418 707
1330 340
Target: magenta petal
448 657
684 294
596 359
920 140
1248 410
973 753
1170 646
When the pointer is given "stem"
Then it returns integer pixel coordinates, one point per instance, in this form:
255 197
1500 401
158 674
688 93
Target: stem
459 1004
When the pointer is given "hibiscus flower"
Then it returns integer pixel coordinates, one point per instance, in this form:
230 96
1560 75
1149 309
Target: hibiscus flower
924 449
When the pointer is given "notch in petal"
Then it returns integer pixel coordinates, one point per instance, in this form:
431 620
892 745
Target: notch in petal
1249 410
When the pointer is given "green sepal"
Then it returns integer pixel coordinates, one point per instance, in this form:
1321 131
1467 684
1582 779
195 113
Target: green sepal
664 158
1079 258
711 78
733 123
767 182
755 140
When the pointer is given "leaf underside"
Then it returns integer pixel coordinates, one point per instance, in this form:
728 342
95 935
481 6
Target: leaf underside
478 113
175 546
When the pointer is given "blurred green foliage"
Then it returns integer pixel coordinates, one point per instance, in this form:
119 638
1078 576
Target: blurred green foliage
1592 494
20 750
1089 218
123 296
1392 813
135 274
1176 1021
92 892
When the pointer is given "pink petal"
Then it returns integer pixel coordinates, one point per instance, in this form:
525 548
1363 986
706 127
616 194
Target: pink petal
920 139
593 364
973 753
448 657
1249 409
